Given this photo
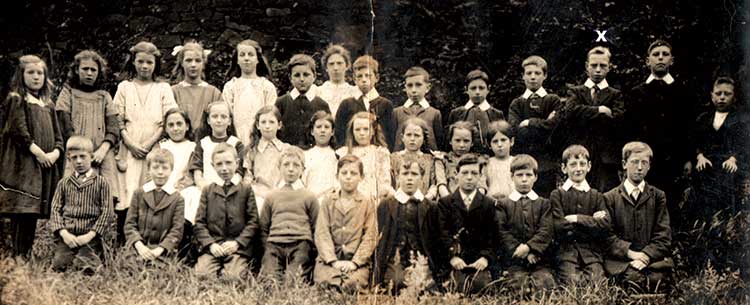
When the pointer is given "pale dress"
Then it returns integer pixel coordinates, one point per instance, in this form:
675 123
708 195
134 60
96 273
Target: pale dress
142 117
333 94
377 164
320 169
499 177
245 97
181 152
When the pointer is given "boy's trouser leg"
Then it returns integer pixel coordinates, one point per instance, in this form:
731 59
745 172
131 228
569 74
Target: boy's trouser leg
234 266
88 255
207 265
63 256
23 230
121 215
394 273
594 272
519 277
569 272
542 278
468 280
273 258
299 258
646 279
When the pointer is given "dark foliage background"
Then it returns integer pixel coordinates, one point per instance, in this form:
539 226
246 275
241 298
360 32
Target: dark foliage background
447 37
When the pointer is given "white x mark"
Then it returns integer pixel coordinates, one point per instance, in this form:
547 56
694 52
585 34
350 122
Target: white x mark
601 35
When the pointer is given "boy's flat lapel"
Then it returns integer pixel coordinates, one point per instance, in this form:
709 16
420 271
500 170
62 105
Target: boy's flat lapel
624 194
165 202
150 199
393 208
648 191
476 201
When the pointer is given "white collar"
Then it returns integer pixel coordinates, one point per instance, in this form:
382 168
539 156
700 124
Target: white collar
31 99
540 92
186 84
467 196
719 118
667 78
310 94
515 195
404 198
583 186
150 186
373 94
590 84
295 186
236 179
422 103
630 187
87 174
263 144
484 105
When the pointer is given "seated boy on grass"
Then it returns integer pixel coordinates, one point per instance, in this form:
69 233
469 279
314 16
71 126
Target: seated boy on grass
288 220
641 238
154 224
82 211
226 222
525 229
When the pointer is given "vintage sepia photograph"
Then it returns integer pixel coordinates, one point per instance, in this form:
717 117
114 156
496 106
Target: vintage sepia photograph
374 152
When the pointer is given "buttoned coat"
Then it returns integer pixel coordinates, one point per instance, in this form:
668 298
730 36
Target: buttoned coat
155 223
227 216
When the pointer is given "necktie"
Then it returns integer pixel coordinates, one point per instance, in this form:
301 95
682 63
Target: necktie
533 96
635 194
467 201
594 93
415 108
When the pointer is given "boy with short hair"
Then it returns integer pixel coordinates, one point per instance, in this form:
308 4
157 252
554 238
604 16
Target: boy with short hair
298 106
82 210
287 221
466 224
226 222
532 115
640 239
595 112
661 112
404 222
155 220
477 110
525 228
580 220
416 85
366 77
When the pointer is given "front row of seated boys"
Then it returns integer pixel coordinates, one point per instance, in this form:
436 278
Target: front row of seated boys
577 234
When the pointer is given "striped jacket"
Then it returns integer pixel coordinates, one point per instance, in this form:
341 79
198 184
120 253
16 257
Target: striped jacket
80 207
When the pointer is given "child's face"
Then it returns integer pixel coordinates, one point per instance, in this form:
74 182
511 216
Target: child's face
268 125
33 76
722 96
219 119
659 60
416 87
366 79
336 68
144 65
80 159
291 168
636 166
576 168
413 137
533 77
477 90
461 141
88 71
159 172
362 131
597 67
409 179
225 164
176 127
349 177
523 180
468 177
322 132
302 77
247 58
192 64
501 145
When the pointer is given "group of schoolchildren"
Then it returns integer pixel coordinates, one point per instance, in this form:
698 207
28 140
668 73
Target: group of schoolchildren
220 179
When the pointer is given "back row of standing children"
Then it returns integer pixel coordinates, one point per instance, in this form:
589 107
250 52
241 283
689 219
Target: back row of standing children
247 116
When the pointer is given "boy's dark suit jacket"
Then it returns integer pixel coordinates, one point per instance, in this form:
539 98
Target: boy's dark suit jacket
479 223
388 231
600 134
639 226
381 107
